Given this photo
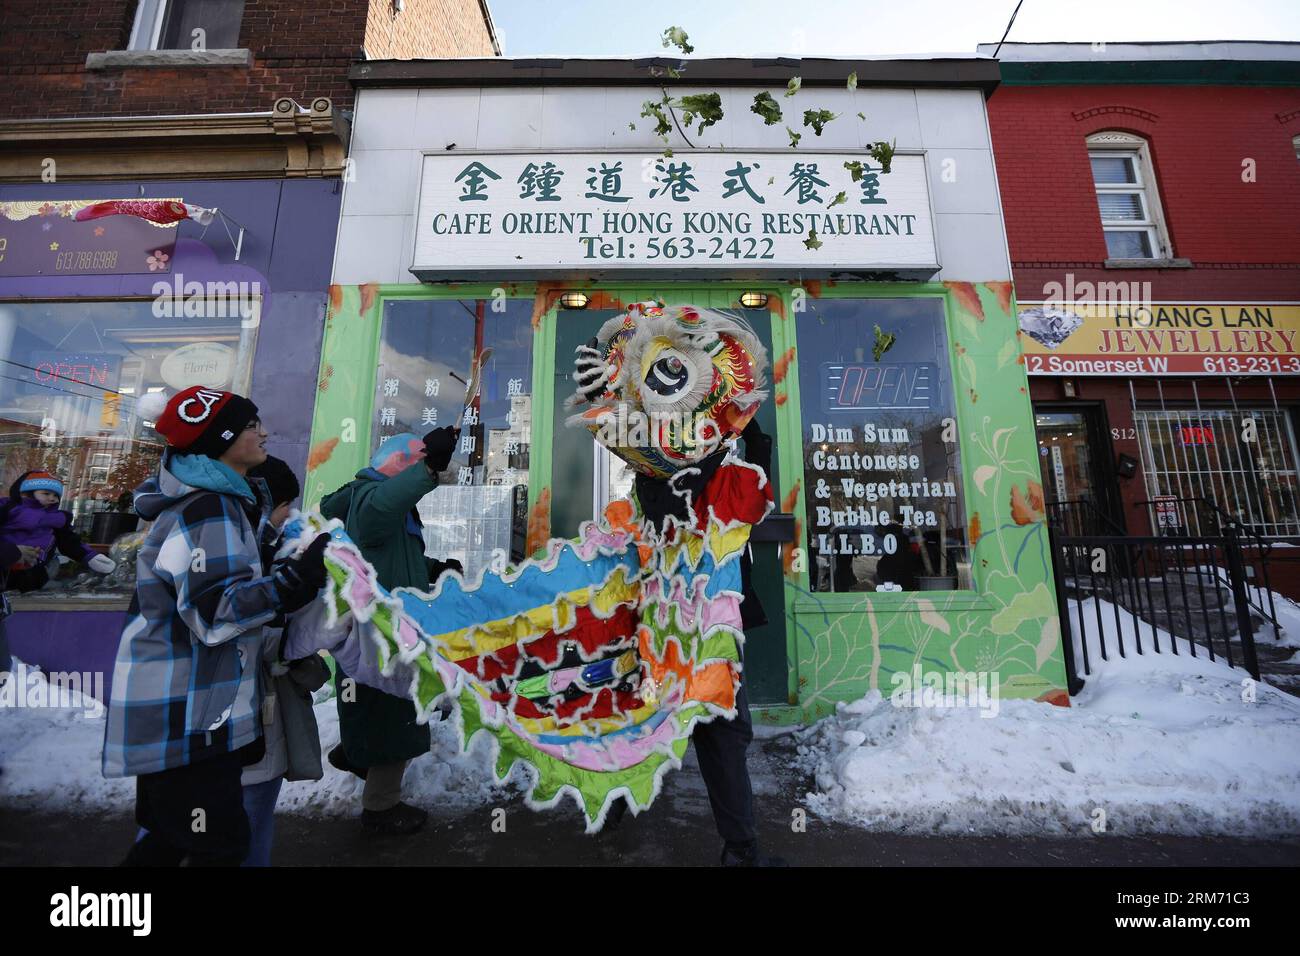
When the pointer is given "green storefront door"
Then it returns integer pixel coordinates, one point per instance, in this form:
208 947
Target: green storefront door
583 476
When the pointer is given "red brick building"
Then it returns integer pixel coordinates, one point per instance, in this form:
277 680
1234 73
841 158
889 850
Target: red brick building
143 57
1152 202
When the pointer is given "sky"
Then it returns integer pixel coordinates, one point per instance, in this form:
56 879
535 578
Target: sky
867 27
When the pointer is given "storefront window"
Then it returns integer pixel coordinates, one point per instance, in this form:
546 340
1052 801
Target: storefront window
70 376
1242 460
426 351
882 485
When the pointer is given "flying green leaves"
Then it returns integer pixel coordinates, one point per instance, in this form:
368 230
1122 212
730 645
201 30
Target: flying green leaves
706 107
855 169
883 153
767 108
792 87
853 81
794 138
884 341
658 112
812 242
840 199
676 36
817 119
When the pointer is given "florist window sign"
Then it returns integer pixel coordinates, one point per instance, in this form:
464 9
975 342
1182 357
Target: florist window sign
78 237
701 210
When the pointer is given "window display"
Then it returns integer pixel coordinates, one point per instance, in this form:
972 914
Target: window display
70 376
1242 460
881 467
426 352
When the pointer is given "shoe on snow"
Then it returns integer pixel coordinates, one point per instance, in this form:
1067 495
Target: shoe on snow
338 759
395 821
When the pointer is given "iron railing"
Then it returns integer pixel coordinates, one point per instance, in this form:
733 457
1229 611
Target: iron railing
1160 594
1200 516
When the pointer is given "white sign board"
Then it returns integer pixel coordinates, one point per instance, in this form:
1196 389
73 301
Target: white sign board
709 210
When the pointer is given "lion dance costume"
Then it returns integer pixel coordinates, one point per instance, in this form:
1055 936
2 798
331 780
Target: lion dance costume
591 663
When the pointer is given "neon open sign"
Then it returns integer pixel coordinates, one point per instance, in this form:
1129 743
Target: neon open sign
879 385
1197 435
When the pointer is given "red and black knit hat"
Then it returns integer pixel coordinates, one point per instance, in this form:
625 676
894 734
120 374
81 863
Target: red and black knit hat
204 421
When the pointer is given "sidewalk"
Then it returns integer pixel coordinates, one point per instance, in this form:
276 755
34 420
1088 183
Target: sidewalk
677 830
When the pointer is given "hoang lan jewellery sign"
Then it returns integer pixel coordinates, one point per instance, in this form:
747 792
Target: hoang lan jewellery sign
1161 338
577 212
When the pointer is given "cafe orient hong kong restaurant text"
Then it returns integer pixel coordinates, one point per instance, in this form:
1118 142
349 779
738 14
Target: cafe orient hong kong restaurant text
518 205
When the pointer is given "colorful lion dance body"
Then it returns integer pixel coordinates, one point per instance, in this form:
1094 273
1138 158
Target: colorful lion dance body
591 663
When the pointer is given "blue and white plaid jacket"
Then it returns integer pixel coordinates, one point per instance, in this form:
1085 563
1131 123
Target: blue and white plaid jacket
185 681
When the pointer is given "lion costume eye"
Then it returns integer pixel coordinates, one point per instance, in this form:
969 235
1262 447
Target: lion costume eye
669 375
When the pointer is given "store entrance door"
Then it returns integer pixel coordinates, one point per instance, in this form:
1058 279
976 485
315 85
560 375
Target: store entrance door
585 477
1073 455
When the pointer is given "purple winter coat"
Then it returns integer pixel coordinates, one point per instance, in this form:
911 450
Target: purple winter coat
31 524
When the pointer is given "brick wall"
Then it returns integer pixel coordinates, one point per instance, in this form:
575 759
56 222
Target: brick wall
301 48
1242 237
427 28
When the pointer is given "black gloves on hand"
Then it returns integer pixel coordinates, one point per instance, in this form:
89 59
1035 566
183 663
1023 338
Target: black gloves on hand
758 446
437 568
589 370
438 446
299 580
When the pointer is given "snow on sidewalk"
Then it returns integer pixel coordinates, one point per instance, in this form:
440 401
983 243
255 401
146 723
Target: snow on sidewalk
51 761
1160 743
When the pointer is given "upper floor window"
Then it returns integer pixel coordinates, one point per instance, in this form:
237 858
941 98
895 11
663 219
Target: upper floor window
187 25
1126 197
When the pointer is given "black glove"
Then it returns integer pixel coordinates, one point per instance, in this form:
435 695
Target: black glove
438 446
590 370
437 568
299 580
758 446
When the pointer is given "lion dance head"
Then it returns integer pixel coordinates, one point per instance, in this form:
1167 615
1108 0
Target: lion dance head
664 386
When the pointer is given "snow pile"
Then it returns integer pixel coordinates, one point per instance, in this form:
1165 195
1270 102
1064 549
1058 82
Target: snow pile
1156 743
51 754
51 761
445 779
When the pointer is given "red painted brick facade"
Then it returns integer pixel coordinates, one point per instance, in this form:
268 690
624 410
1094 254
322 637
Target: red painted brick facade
1243 237
301 48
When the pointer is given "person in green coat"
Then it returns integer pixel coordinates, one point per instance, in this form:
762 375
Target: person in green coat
378 731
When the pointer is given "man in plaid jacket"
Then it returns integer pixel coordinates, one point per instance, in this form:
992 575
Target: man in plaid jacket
184 716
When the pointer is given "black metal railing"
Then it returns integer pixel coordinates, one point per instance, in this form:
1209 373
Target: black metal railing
1200 516
1160 594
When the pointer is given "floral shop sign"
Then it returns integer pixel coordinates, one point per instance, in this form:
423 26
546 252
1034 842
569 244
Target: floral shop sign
702 210
47 238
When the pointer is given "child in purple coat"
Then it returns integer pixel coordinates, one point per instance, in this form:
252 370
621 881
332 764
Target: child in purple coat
31 525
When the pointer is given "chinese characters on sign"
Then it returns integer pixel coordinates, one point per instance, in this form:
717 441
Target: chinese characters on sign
705 209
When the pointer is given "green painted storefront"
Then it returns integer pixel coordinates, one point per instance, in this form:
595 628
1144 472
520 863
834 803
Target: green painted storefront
821 646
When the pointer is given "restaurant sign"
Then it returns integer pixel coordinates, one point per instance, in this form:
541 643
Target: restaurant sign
1161 338
527 212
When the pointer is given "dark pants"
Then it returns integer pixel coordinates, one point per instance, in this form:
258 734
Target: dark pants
166 805
720 747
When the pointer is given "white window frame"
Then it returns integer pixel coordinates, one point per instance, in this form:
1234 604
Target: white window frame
149 17
1115 144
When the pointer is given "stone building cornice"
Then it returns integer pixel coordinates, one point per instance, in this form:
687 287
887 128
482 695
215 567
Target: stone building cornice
286 142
